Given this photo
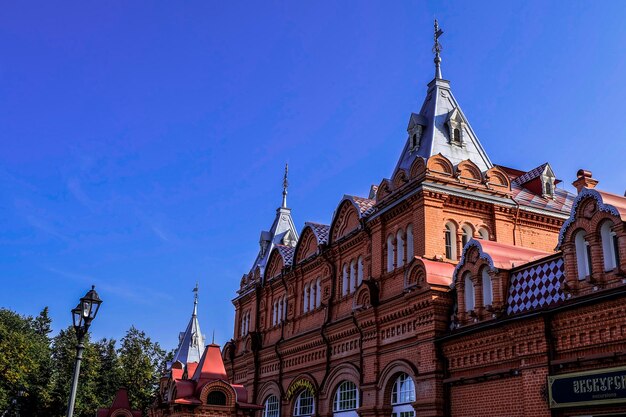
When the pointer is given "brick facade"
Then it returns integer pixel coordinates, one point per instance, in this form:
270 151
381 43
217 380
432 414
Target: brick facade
379 295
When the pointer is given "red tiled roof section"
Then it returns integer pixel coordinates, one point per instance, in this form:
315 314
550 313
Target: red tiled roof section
616 201
321 231
437 272
562 201
508 256
211 366
119 403
530 175
366 205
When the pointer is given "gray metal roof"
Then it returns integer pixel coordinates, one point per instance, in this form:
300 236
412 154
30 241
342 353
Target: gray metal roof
191 341
438 106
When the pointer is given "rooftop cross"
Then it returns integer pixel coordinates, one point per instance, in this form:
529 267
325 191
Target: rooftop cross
436 49
195 300
285 185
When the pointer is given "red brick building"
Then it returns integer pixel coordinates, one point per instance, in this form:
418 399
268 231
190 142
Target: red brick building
196 383
371 314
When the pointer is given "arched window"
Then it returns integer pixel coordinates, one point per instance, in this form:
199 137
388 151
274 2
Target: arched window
469 292
609 246
548 188
284 315
450 236
483 233
280 311
345 286
583 255
400 250
467 234
457 135
318 294
216 398
312 296
359 272
487 288
402 395
346 397
304 404
352 276
275 313
409 243
305 301
389 253
271 407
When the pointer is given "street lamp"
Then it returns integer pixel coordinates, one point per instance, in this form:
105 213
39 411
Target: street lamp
82 317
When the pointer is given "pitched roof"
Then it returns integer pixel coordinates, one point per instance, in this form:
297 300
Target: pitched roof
287 253
320 231
119 403
191 341
438 106
437 272
530 175
561 202
211 366
365 205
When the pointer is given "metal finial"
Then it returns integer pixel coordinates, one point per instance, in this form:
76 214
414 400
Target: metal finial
213 339
285 185
436 50
195 300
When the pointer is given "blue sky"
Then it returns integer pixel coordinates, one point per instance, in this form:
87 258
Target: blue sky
142 144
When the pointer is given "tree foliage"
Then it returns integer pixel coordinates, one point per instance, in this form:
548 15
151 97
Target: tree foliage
42 367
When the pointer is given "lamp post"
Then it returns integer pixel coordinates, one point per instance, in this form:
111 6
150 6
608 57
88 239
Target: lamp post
82 316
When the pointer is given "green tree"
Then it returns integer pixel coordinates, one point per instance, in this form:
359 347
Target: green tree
108 380
63 360
24 363
140 361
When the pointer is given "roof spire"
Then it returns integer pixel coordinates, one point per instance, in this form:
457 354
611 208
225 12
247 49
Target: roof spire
195 300
436 49
285 185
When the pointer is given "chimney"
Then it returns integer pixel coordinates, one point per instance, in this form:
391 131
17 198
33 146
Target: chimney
584 180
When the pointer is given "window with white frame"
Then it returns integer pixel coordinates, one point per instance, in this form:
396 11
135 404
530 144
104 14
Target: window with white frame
305 300
409 243
469 292
345 286
487 288
304 404
318 293
402 395
312 296
359 274
390 253
467 235
450 238
271 407
400 248
346 397
483 233
352 284
582 255
609 246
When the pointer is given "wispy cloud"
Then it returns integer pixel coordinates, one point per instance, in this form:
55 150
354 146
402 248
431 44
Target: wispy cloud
140 295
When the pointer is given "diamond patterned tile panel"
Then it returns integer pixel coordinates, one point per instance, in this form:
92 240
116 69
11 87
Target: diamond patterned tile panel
537 286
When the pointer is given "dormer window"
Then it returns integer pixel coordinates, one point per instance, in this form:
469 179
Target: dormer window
415 130
456 127
548 186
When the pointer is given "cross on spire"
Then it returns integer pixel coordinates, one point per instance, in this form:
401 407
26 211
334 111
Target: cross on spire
436 50
285 185
195 300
